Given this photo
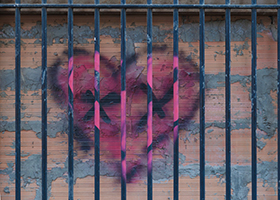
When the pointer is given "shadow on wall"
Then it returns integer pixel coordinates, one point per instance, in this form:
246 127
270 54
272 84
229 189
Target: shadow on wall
110 109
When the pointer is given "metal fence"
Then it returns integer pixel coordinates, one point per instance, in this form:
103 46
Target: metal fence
149 6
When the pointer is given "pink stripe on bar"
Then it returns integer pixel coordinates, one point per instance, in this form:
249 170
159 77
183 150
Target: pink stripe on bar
96 64
150 113
123 118
70 73
150 135
150 124
97 114
176 95
150 70
96 86
123 131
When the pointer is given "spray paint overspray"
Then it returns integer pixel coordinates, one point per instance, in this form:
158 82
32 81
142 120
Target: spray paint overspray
136 111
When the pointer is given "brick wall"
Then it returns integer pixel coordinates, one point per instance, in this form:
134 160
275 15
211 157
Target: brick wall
136 107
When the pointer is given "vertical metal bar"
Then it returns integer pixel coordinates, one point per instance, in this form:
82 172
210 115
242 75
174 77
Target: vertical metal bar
228 111
18 101
97 103
254 101
176 102
70 102
202 99
278 100
44 102
150 100
123 101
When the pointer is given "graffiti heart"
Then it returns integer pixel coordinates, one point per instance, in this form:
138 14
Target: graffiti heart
136 104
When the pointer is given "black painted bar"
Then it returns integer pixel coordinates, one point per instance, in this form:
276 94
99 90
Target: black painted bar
123 100
176 79
44 103
144 6
278 101
254 101
228 103
148 6
18 101
70 106
97 99
202 99
149 100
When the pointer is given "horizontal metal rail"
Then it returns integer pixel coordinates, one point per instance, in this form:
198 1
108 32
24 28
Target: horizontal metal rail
143 6
148 6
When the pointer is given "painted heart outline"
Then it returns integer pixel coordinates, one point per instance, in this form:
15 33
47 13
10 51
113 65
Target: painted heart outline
136 88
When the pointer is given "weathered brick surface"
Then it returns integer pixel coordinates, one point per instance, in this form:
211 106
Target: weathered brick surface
189 133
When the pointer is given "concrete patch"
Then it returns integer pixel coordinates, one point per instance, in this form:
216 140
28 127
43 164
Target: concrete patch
215 31
54 127
266 83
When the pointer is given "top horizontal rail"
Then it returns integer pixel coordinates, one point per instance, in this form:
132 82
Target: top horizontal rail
143 6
